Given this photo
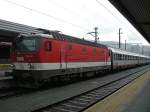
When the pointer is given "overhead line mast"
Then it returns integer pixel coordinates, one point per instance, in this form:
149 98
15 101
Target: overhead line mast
95 34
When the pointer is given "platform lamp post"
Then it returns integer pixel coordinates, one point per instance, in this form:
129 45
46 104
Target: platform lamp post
125 45
142 49
120 37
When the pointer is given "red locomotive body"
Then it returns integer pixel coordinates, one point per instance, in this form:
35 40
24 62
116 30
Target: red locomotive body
39 58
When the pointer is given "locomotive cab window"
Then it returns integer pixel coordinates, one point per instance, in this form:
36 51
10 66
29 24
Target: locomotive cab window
27 44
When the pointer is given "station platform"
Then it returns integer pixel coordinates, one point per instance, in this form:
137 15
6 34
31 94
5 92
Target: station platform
134 97
5 70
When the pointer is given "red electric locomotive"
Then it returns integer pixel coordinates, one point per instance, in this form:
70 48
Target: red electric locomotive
42 57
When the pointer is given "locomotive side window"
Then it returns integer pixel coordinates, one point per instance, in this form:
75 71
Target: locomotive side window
70 47
94 50
84 50
48 46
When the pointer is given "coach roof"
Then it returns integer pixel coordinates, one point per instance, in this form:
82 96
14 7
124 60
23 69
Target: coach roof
119 51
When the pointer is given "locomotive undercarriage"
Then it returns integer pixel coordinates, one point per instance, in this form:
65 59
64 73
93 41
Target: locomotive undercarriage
38 78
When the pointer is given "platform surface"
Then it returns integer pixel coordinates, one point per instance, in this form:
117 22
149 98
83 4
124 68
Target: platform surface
134 97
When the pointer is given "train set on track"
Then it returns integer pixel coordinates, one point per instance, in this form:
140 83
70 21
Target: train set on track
40 58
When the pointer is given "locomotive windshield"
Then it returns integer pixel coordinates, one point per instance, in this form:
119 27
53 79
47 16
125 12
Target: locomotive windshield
27 44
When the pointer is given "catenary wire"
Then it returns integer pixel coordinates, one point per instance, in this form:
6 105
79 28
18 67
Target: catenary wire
48 15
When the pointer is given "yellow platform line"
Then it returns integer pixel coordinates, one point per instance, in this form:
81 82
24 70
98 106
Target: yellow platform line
6 66
121 98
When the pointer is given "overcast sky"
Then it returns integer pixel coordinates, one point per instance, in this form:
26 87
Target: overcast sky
73 17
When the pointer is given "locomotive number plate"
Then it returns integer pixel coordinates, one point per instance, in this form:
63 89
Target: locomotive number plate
20 58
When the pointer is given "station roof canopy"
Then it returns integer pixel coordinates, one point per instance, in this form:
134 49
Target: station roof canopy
137 12
9 30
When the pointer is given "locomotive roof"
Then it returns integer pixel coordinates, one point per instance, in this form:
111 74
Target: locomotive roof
82 41
119 51
68 38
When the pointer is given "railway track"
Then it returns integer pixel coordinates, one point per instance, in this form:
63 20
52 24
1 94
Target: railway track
83 101
61 99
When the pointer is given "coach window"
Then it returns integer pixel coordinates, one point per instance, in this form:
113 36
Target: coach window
129 57
120 57
117 56
114 56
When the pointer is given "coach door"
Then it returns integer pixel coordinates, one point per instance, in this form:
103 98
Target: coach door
63 64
